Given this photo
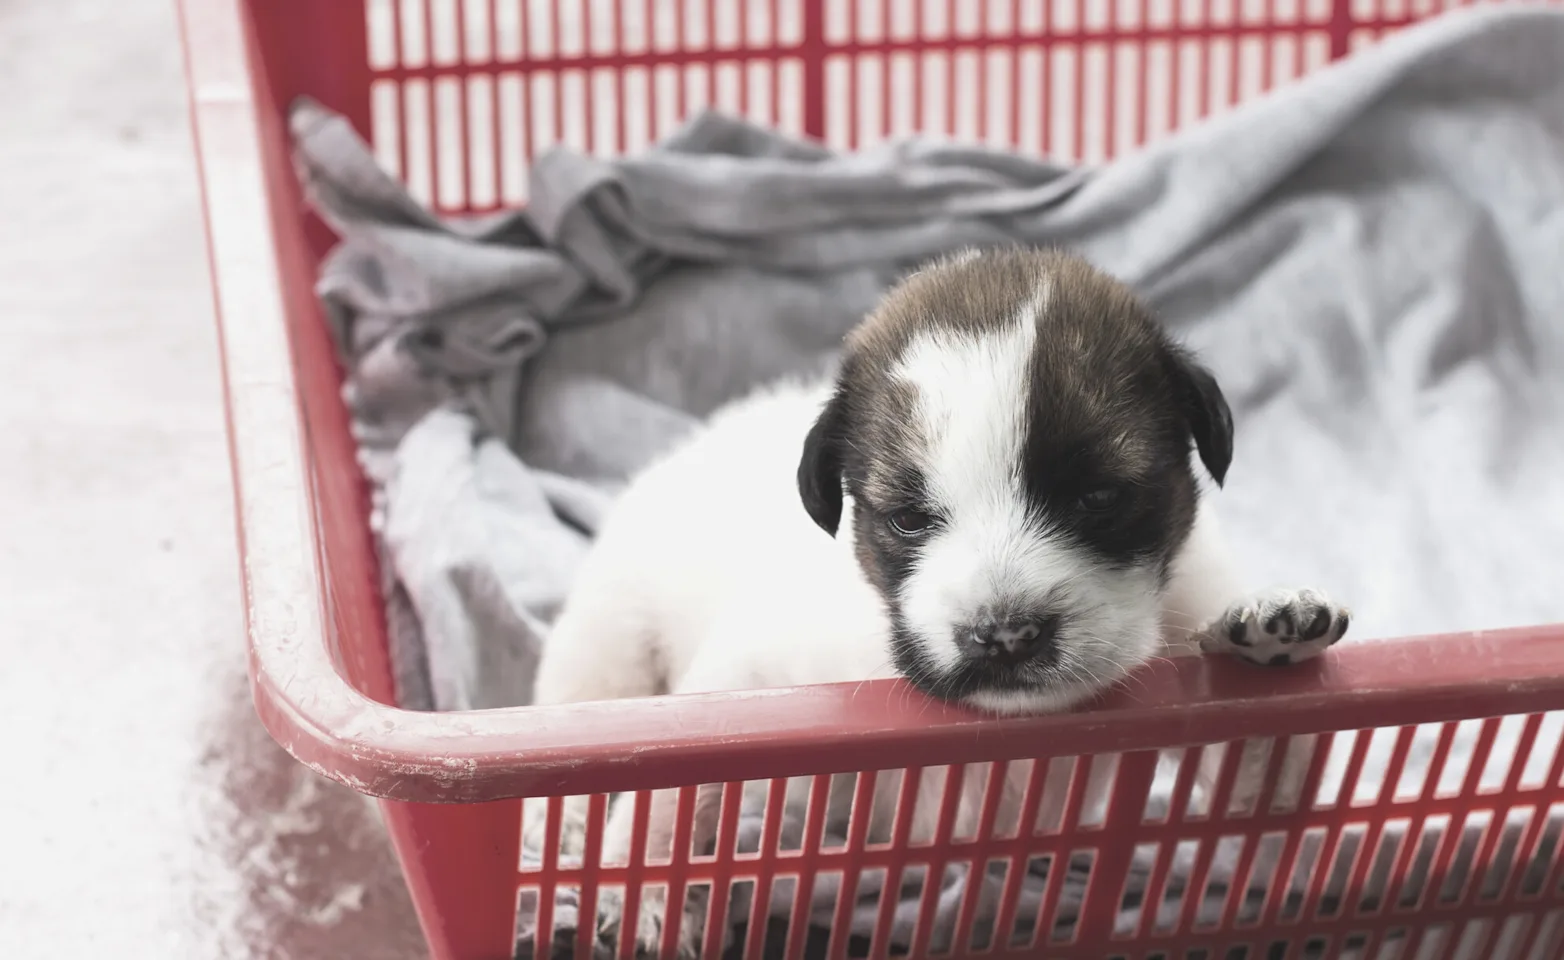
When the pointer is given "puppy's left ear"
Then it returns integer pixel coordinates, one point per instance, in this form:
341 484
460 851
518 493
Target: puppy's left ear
820 467
1205 411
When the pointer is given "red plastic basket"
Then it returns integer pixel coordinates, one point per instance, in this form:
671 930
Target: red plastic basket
456 96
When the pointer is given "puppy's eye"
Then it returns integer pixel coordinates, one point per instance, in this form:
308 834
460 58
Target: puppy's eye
911 523
1096 501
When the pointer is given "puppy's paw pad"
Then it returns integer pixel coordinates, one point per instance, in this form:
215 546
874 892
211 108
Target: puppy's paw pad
1277 628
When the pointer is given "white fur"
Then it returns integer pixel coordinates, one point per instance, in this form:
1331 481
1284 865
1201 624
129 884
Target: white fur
709 575
990 553
987 551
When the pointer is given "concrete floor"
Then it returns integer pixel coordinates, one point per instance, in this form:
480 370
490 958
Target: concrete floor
143 812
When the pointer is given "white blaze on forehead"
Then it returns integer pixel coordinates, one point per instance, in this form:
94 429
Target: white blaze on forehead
972 393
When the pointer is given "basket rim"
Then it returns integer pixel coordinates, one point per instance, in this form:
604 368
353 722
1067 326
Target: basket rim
376 749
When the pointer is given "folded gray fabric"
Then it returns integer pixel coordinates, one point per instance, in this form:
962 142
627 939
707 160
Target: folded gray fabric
1367 258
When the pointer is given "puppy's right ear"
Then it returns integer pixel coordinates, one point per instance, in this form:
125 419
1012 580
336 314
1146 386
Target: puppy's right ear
820 468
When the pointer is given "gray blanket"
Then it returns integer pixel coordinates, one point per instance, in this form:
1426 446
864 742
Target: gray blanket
1369 259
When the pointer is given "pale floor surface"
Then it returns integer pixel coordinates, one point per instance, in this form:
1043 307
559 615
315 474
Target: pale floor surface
143 811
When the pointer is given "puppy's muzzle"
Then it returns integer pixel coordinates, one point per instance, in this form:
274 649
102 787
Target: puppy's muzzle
1010 641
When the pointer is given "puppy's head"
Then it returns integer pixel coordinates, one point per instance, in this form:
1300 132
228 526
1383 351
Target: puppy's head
1013 434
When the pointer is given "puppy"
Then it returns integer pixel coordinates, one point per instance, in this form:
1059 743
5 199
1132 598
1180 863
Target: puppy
994 499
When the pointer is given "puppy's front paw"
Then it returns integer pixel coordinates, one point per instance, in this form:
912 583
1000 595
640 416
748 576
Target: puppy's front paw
1277 628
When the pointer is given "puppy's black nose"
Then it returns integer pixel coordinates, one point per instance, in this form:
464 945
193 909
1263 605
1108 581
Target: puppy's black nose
1011 640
